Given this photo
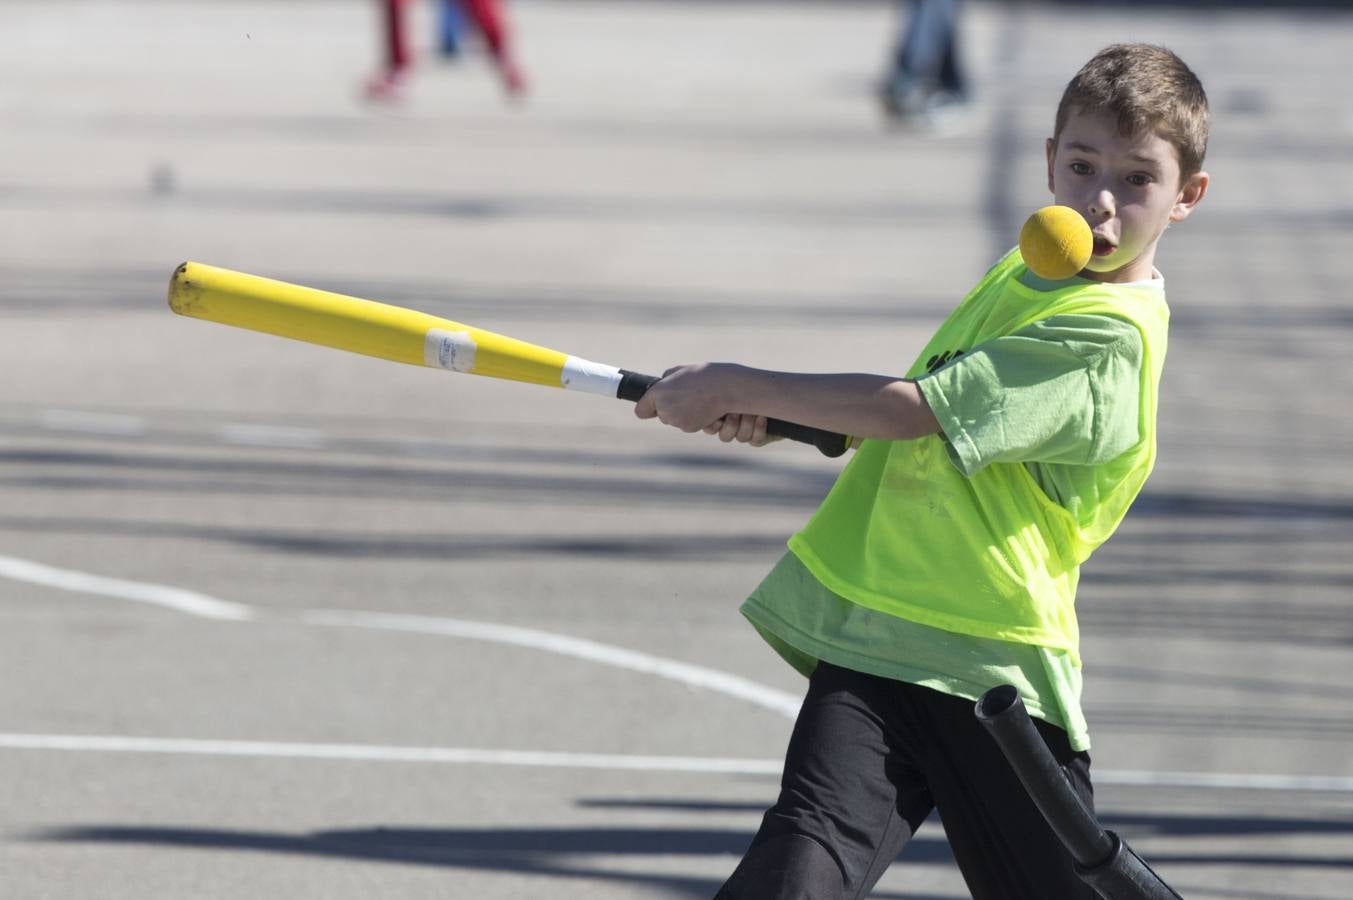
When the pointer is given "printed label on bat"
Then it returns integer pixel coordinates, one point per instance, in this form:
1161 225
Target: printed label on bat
452 350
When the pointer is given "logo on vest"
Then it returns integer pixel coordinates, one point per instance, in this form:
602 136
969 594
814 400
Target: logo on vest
941 359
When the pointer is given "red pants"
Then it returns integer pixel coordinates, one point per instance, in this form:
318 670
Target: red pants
487 16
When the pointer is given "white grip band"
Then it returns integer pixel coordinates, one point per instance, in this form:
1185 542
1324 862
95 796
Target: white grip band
594 378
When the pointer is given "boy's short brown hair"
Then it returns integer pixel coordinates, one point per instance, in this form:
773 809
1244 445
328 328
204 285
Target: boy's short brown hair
1144 87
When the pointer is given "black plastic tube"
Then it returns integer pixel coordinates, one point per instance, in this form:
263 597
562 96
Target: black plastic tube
1104 861
1003 713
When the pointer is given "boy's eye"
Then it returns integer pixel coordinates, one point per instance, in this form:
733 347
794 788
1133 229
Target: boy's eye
1080 168
1139 179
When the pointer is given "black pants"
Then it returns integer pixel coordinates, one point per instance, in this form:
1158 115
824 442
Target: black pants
869 760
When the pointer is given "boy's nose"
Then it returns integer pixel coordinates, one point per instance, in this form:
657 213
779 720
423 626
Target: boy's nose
1102 204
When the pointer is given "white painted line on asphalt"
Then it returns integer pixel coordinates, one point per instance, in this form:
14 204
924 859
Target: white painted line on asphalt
690 675
176 599
376 753
197 604
93 423
272 436
1225 781
612 761
694 676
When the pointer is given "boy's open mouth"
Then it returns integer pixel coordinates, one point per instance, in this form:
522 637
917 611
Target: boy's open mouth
1103 247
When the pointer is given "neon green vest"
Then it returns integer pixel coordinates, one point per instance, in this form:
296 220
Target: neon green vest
905 533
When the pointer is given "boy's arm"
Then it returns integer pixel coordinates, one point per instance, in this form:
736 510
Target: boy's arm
879 407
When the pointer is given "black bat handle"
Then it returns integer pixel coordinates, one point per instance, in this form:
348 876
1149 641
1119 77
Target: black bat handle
633 386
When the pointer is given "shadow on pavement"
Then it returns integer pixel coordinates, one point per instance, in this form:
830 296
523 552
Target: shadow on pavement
533 851
564 852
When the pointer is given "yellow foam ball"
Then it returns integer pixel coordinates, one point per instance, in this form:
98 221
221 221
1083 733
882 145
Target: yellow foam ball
1056 242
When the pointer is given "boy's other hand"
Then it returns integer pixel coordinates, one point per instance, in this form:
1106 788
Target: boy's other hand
744 428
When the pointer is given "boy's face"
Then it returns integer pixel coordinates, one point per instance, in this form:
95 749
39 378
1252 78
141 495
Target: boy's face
1127 188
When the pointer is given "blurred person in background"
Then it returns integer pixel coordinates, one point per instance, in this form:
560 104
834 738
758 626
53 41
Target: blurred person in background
451 27
489 19
925 83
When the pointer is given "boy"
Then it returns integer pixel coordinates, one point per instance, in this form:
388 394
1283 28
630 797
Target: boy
944 560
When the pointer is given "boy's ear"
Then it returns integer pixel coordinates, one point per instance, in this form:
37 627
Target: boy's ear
1190 195
1052 151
